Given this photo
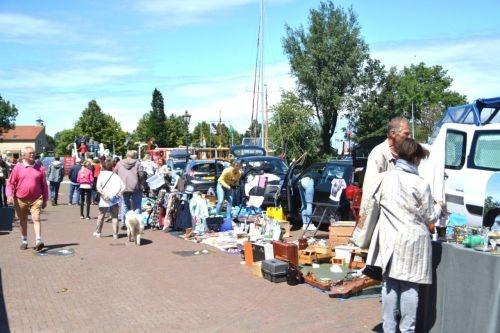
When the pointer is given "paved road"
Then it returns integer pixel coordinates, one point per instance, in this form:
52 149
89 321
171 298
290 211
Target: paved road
111 286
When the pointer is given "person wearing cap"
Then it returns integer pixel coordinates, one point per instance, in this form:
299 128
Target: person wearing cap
73 185
228 180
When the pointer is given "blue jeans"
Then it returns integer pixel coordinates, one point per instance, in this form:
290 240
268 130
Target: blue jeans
402 296
224 194
306 191
54 190
72 189
132 201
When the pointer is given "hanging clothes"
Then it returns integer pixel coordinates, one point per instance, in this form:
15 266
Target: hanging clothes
183 219
199 211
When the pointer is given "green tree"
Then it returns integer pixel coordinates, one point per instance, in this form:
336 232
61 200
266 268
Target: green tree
394 93
8 114
327 62
292 127
254 129
428 89
142 132
157 118
202 135
176 129
93 123
64 141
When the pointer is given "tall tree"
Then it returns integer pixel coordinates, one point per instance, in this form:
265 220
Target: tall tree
327 61
157 119
292 127
8 114
143 132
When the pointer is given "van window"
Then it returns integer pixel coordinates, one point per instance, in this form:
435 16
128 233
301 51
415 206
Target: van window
486 151
455 149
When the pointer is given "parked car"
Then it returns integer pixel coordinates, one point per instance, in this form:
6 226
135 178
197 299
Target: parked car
177 165
350 170
203 174
275 170
247 150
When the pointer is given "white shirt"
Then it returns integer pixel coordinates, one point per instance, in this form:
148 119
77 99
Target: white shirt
109 185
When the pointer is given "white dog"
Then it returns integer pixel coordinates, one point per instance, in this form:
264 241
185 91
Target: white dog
134 226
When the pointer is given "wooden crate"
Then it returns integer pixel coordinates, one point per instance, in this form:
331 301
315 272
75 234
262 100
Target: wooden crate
334 240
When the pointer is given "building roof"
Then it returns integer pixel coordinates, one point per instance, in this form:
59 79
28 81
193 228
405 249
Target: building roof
22 133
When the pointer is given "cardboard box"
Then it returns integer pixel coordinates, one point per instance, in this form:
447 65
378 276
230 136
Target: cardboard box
342 229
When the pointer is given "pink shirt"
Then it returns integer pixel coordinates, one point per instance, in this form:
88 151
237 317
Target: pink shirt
27 182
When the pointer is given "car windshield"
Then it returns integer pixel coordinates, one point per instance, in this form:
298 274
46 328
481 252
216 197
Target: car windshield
335 171
274 166
179 165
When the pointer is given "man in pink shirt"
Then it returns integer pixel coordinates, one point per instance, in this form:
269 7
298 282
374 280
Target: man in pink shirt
27 189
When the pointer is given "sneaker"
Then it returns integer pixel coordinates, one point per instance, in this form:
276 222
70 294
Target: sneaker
81 217
115 236
87 218
97 234
38 247
24 246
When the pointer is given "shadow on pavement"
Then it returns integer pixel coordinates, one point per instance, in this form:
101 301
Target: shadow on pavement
57 246
4 233
378 328
4 321
145 241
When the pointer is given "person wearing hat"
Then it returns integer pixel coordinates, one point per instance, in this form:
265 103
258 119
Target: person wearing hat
228 180
73 185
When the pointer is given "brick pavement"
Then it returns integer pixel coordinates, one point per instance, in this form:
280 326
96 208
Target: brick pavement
112 286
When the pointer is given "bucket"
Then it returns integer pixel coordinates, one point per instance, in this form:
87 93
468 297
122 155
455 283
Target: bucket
156 181
343 252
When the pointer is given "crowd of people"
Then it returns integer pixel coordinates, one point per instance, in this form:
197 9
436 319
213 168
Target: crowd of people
115 186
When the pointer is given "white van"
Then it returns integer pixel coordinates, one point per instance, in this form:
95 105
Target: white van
465 152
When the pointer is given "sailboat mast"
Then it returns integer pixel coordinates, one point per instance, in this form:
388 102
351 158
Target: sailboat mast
262 100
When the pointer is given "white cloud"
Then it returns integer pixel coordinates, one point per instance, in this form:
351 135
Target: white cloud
17 26
471 61
68 78
96 57
185 12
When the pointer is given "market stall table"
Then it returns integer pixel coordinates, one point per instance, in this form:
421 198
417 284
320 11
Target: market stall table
465 294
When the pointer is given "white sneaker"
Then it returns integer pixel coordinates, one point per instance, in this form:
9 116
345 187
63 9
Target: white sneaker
115 236
97 234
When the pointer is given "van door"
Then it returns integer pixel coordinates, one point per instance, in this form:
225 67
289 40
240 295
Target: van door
482 162
455 149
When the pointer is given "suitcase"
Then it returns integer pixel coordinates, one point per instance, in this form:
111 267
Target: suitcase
287 252
274 270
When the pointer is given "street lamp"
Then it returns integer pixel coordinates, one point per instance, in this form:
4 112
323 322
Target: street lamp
187 117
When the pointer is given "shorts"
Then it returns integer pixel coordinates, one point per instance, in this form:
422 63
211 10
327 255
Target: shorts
24 206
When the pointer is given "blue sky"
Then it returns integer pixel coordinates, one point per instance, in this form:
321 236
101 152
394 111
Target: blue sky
58 55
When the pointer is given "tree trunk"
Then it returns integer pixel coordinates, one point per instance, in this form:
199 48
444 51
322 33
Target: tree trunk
325 139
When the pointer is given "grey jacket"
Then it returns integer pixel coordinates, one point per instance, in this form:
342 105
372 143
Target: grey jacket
55 172
128 170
